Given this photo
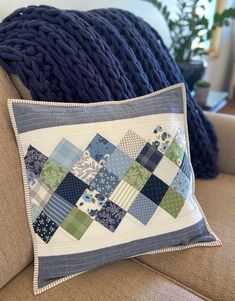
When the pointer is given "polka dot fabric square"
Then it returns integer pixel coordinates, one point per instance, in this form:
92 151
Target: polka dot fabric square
131 144
142 209
118 163
71 188
172 202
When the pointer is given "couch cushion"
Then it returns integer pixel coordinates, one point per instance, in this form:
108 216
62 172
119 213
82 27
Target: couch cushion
15 239
209 271
125 280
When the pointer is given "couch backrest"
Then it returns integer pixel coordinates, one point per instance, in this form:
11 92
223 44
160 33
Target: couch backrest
15 239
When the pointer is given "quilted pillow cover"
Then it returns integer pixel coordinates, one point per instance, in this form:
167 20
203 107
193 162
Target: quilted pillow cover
107 181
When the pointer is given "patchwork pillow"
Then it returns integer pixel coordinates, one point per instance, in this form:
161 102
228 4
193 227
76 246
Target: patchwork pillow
107 181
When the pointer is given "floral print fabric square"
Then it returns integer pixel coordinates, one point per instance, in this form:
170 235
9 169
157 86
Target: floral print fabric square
105 182
160 139
52 174
110 216
181 183
32 178
91 202
86 168
44 227
137 176
179 138
100 149
34 160
175 153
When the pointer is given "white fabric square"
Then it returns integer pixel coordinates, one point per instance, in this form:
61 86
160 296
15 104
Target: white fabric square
166 170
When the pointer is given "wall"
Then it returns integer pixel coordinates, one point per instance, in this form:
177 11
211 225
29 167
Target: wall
217 70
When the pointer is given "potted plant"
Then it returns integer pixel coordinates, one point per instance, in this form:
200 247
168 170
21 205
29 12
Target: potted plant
202 89
188 31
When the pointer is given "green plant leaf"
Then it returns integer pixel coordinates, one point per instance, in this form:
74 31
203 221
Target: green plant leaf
188 26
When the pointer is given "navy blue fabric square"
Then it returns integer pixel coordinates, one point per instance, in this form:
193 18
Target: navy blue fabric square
110 215
71 188
185 167
34 160
44 227
149 157
154 189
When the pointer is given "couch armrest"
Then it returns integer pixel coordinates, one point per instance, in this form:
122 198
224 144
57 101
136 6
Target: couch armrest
225 130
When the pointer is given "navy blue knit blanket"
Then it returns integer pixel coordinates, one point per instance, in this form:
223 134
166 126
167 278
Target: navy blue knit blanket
105 54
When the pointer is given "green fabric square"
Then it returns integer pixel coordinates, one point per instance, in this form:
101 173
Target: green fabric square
52 174
76 223
175 153
137 176
172 202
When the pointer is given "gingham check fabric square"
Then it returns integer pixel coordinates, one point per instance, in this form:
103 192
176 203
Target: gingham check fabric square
40 194
66 154
76 223
149 157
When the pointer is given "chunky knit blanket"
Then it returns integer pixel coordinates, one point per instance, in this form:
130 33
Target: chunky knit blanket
105 54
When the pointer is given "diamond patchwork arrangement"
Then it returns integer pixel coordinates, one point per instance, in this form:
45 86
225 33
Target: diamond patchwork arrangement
105 183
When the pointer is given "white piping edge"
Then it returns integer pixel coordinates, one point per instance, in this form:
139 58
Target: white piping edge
38 290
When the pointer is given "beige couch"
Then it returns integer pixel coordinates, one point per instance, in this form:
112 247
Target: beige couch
194 274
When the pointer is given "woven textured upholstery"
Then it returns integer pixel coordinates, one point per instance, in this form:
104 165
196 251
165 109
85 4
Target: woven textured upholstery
107 54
